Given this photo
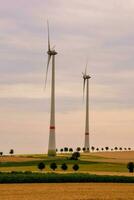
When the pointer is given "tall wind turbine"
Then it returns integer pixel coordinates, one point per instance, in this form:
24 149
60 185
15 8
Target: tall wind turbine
51 54
86 78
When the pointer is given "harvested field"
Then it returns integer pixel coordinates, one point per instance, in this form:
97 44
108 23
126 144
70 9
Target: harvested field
121 157
112 157
16 159
86 191
124 155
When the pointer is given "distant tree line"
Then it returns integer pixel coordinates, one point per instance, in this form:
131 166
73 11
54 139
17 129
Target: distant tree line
93 149
11 152
79 149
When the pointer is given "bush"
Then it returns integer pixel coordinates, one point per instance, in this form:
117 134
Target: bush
28 172
75 156
62 178
64 167
16 172
53 166
41 166
75 167
130 167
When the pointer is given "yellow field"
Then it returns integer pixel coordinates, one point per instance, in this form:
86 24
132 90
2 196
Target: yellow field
16 159
123 156
67 191
119 156
115 157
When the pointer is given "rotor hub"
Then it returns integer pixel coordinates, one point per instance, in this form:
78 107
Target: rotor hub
51 52
86 77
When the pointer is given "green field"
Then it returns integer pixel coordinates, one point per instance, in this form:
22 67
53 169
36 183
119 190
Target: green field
87 163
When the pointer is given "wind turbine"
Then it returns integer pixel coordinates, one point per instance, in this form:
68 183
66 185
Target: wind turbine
51 54
86 78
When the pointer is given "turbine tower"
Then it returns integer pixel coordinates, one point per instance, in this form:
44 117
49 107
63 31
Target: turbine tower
86 78
51 54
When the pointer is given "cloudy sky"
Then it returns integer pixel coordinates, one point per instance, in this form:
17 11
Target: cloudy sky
103 32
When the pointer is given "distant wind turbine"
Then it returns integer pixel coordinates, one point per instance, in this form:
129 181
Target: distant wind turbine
86 85
51 54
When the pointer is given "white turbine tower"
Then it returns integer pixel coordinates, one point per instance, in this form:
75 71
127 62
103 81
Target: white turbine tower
86 84
51 54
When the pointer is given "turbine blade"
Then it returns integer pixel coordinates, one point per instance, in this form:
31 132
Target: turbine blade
86 67
48 36
53 47
48 61
84 81
85 70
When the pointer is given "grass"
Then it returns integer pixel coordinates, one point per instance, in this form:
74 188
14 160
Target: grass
87 163
84 165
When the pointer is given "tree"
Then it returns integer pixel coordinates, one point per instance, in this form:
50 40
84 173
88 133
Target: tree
129 149
115 148
83 148
130 166
75 167
64 167
61 150
65 149
102 149
53 166
78 149
70 150
56 150
120 148
92 148
75 156
107 148
11 151
1 153
125 148
97 149
41 166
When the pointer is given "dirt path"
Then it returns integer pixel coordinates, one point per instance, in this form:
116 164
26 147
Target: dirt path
77 191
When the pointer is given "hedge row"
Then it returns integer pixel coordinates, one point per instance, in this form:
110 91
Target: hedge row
20 177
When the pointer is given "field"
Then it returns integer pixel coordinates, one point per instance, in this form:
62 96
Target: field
109 163
68 191
106 163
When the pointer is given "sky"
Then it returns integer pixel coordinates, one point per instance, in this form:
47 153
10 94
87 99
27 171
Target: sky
100 31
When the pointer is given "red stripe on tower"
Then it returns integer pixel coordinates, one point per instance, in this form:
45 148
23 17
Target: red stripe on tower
86 133
52 127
